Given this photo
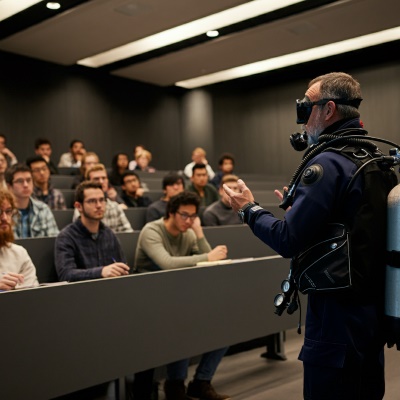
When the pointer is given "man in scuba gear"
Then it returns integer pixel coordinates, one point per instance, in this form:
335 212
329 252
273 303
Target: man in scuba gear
344 338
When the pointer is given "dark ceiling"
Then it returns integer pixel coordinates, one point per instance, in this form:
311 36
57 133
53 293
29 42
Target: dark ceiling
84 28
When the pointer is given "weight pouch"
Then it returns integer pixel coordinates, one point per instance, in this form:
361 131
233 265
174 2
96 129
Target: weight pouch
325 266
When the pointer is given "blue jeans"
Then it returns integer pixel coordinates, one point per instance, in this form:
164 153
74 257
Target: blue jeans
205 370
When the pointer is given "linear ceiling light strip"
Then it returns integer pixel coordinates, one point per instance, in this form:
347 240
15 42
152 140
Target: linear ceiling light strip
186 31
287 60
12 7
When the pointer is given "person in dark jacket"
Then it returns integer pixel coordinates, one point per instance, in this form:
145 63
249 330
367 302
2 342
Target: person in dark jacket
133 194
119 165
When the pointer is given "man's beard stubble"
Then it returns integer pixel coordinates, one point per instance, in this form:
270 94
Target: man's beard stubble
6 236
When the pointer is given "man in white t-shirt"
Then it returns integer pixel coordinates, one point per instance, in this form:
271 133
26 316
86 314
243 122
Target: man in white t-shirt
198 157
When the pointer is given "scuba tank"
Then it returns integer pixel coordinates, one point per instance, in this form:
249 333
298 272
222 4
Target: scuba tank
392 285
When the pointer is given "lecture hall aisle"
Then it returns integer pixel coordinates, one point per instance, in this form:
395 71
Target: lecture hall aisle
247 376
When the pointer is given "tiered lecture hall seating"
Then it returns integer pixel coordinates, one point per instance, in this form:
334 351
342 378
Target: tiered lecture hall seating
81 334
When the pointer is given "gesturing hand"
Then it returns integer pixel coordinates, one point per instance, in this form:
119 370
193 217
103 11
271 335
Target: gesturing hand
239 199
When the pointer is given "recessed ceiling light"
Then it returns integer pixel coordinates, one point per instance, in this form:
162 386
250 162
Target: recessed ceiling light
287 60
219 20
212 33
53 5
11 7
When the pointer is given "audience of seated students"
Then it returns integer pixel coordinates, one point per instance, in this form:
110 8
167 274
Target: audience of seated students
226 163
3 167
119 164
136 150
198 157
34 218
8 154
88 249
133 194
88 160
172 184
73 158
207 193
220 212
114 216
42 188
143 159
43 148
16 267
178 241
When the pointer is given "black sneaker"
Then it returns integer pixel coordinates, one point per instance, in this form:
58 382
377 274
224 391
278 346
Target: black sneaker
203 390
175 390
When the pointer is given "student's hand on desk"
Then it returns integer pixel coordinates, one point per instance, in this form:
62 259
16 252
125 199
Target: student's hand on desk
9 280
239 199
218 253
116 269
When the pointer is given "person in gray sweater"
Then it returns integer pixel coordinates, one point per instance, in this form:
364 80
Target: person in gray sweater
178 241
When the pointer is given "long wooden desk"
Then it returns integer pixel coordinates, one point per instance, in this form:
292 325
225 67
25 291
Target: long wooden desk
59 339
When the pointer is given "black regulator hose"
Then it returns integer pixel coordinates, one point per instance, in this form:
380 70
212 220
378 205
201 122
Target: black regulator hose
326 141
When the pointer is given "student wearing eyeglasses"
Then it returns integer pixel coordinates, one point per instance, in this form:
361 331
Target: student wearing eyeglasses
87 248
42 188
178 241
16 267
34 218
114 216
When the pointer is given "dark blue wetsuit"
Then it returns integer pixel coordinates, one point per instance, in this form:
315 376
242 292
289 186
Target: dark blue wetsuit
343 348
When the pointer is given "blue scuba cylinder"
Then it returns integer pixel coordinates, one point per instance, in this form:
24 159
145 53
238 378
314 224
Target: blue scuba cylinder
392 285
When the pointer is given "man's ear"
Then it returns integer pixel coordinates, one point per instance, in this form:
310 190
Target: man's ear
78 206
330 110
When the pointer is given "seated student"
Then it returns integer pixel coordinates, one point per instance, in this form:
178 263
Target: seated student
119 165
178 241
8 154
3 167
198 157
88 160
226 164
73 158
87 248
220 212
34 218
16 267
143 159
172 184
136 150
114 216
207 193
132 191
43 148
42 189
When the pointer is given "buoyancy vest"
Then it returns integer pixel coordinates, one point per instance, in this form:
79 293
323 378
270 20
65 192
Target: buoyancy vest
367 227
